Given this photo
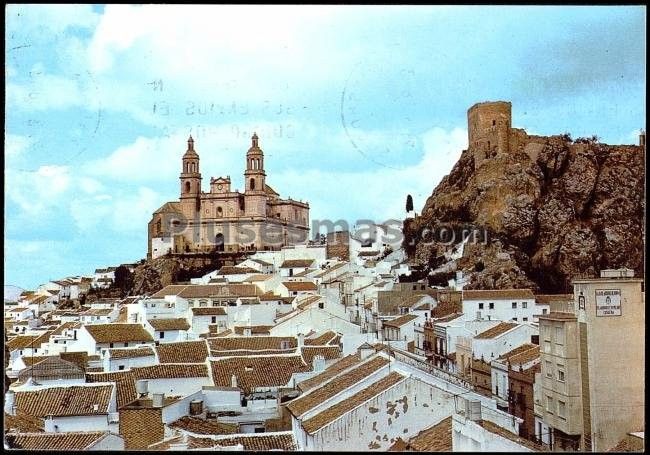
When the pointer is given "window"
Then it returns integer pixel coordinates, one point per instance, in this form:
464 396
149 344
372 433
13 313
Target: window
560 373
525 319
480 306
547 347
121 367
491 306
561 409
321 305
549 369
153 305
549 404
126 345
162 334
559 335
213 319
524 304
110 345
544 311
514 319
514 304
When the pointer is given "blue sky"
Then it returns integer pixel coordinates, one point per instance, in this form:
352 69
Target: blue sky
355 107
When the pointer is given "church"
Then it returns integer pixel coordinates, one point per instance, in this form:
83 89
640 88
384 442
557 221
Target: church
225 219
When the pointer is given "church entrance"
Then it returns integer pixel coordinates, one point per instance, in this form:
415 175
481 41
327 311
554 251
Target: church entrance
218 242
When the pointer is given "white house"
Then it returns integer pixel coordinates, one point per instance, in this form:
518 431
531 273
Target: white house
95 337
296 288
165 330
517 305
502 338
118 359
524 356
292 267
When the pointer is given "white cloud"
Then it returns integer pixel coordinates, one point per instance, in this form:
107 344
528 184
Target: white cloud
15 145
40 192
54 18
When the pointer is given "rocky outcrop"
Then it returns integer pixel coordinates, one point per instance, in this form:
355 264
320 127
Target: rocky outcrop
153 275
571 209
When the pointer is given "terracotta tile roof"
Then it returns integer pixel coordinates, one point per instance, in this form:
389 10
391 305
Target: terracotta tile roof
434 439
269 296
368 253
629 443
209 311
171 371
98 312
296 263
65 326
329 415
22 342
248 353
284 441
448 318
496 429
23 423
304 403
55 441
212 328
400 321
545 299
557 315
29 360
327 337
495 331
193 291
412 300
129 353
202 426
261 262
257 343
183 352
234 270
328 353
255 329
52 368
525 356
258 277
304 272
516 351
253 372
160 325
65 401
295 286
498 294
330 269
124 382
306 301
345 363
249 301
109 333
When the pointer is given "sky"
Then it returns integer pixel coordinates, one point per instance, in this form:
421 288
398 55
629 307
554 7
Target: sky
355 107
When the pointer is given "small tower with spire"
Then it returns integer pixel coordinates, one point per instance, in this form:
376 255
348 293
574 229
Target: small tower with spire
255 179
190 181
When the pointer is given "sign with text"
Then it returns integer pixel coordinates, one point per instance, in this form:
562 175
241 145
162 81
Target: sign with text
608 302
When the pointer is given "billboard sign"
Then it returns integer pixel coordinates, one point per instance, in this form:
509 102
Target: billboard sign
608 302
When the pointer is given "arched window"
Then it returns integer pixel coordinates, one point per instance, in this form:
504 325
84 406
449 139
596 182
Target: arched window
219 212
188 187
252 184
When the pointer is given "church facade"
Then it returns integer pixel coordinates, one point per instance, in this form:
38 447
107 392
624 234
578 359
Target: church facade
225 219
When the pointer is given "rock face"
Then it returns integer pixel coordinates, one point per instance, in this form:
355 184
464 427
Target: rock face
155 274
552 210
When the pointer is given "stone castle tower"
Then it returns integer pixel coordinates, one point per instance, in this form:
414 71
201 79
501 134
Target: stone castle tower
489 129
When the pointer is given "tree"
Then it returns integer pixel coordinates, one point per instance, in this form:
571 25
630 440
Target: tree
409 203
123 279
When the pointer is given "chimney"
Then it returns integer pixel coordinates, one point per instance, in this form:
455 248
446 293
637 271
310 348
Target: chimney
10 400
142 388
301 340
318 363
233 381
365 351
248 331
642 138
158 400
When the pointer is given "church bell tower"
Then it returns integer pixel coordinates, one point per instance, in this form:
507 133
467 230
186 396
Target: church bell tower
190 182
